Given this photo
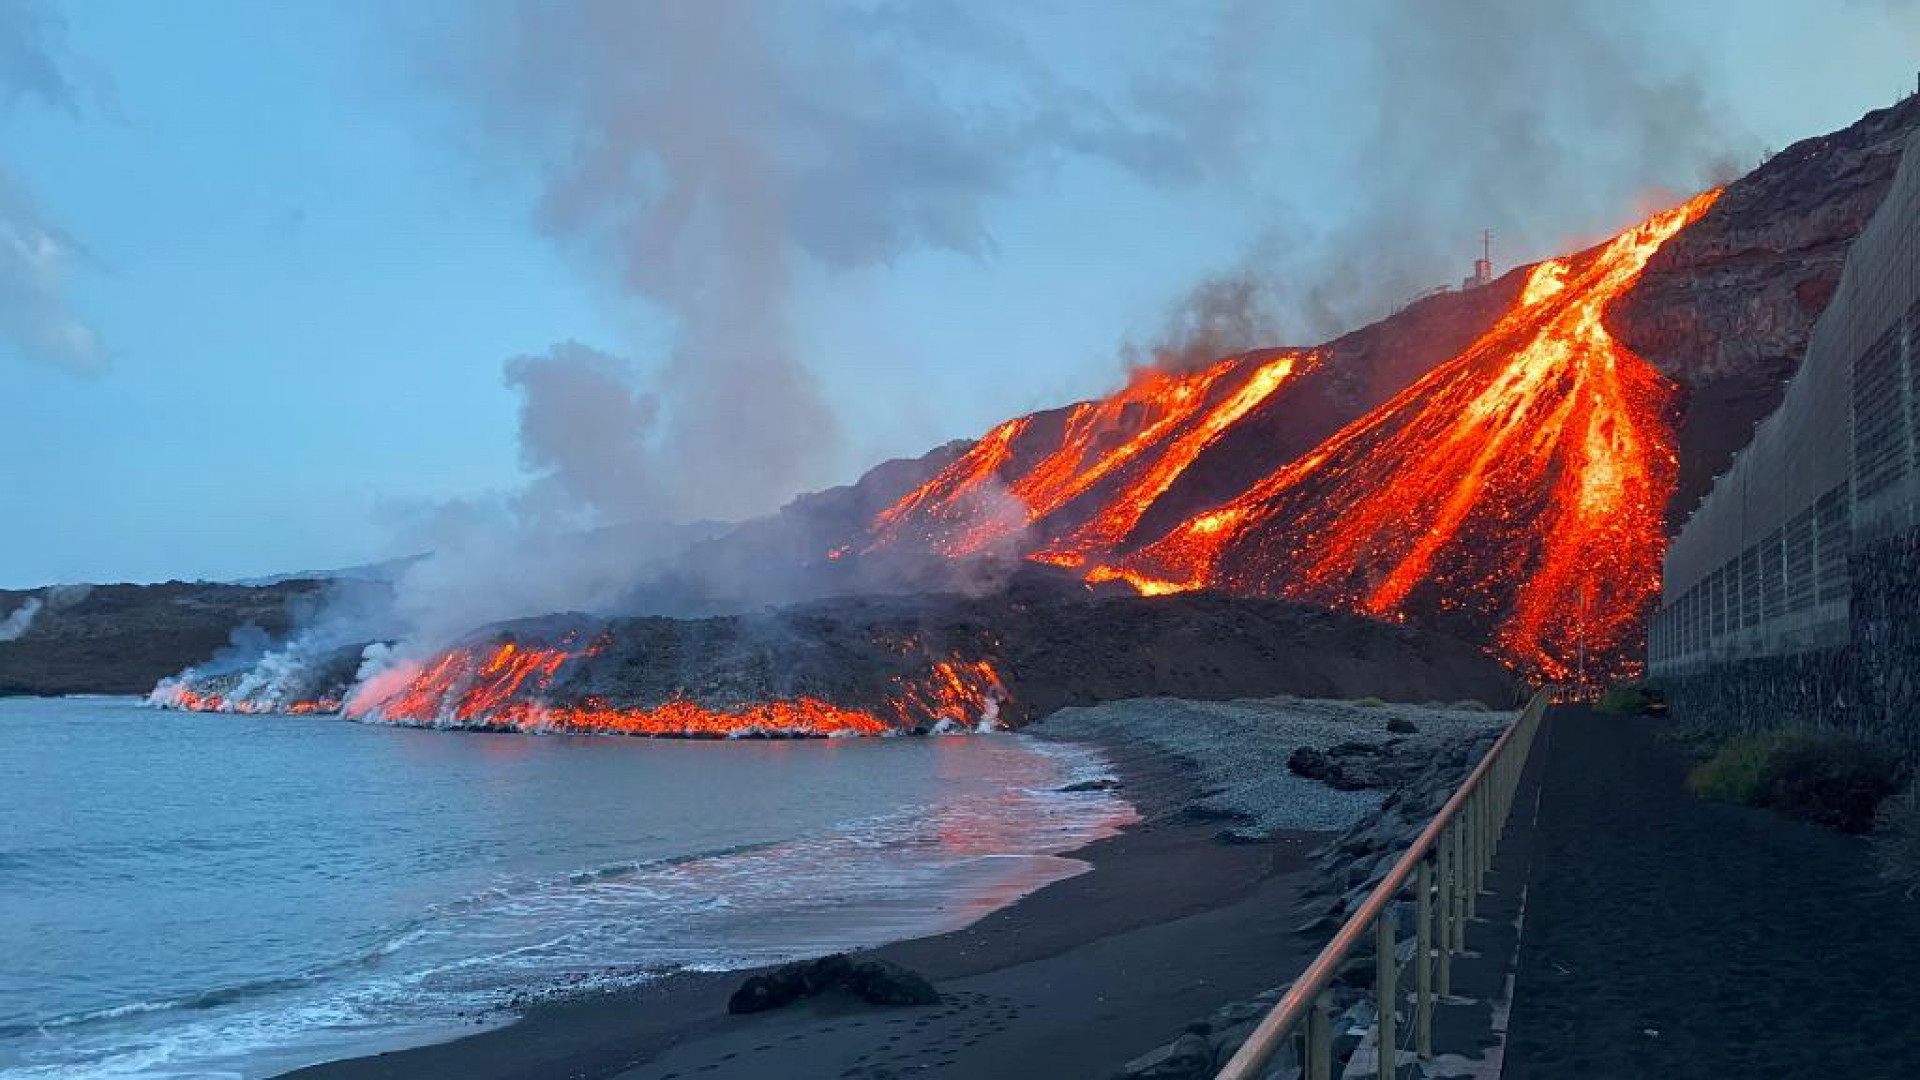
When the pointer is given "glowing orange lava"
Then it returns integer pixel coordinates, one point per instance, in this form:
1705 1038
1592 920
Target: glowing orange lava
1120 514
177 694
507 687
1523 481
1143 438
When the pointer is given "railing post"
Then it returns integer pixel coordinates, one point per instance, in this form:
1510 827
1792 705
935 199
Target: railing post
1319 1041
1446 865
1459 899
1386 995
1423 960
1444 850
1475 841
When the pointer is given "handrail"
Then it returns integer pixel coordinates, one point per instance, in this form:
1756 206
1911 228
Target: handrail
1462 837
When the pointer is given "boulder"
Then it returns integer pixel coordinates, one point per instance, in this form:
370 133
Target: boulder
762 992
874 981
883 983
1189 1057
1308 762
819 976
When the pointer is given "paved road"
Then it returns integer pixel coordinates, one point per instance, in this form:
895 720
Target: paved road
1674 938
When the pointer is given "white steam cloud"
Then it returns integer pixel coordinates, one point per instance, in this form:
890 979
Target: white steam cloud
707 154
57 598
699 158
16 625
37 323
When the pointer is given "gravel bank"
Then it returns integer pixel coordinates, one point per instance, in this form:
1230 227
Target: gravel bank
1239 749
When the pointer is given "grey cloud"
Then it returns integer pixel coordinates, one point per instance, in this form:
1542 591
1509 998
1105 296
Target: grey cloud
37 322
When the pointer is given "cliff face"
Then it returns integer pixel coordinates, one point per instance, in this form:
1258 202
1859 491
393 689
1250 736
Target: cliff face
1724 308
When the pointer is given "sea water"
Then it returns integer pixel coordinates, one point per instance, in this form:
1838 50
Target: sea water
187 895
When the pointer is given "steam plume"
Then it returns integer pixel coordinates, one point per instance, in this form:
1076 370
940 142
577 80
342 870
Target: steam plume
35 255
15 626
1549 124
701 158
55 598
708 155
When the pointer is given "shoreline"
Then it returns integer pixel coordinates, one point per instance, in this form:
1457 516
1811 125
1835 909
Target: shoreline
1081 975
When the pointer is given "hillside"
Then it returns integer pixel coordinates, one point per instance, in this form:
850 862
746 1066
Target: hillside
1503 463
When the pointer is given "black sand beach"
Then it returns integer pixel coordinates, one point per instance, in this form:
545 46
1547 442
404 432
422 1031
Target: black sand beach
1073 980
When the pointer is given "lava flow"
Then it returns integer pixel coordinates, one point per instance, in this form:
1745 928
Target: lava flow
509 686
1120 515
1520 484
1141 438
178 693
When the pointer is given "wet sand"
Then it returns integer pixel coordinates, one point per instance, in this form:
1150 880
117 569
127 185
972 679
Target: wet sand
1073 980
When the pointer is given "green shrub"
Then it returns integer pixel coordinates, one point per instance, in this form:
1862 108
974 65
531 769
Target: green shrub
1472 705
1627 699
1368 702
1830 780
1734 772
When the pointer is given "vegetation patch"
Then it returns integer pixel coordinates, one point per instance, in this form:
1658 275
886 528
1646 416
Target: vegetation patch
1733 774
1830 780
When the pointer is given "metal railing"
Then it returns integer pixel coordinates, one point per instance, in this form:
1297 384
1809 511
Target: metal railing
1446 865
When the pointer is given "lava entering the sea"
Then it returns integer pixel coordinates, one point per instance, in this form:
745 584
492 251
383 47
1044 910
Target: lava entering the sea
179 693
510 686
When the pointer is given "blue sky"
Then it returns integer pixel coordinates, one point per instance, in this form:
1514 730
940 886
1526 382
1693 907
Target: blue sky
308 236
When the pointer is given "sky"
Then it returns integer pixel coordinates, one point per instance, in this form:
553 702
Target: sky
303 285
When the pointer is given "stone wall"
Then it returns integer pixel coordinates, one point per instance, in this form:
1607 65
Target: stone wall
1886 639
1870 687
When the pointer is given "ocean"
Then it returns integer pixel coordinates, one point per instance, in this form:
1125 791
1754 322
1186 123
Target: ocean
215 895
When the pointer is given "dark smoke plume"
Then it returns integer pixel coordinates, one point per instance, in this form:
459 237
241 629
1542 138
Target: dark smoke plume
1553 125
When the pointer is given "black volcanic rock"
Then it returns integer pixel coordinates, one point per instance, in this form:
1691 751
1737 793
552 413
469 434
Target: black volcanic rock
877 982
122 639
1049 645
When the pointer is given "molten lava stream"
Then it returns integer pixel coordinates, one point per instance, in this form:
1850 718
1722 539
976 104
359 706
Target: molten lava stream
179 695
508 686
982 498
1522 481
1121 513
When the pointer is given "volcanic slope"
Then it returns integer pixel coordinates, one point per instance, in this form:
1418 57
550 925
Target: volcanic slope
1503 463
